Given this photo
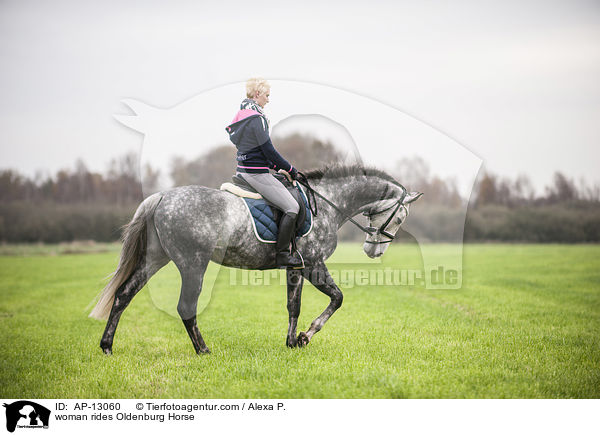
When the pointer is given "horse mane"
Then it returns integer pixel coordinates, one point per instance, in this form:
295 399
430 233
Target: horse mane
341 171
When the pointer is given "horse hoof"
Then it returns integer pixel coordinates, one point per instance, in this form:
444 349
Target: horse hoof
107 351
303 339
203 351
291 342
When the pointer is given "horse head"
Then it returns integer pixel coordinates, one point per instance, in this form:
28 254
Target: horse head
385 221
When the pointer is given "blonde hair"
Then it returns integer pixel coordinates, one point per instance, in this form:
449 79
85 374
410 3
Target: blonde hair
256 84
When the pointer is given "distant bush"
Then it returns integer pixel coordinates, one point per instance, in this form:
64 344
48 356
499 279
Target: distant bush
47 222
563 223
82 205
22 221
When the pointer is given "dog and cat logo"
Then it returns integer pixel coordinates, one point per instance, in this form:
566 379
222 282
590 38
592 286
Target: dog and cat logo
26 414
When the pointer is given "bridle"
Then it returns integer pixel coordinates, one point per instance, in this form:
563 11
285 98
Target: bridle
382 229
370 230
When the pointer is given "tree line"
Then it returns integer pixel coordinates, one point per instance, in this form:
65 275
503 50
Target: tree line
77 204
504 209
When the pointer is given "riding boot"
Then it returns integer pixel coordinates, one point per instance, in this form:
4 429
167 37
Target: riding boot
287 228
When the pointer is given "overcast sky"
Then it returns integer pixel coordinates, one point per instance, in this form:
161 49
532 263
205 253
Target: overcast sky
515 82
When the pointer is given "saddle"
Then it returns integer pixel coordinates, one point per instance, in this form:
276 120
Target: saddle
265 215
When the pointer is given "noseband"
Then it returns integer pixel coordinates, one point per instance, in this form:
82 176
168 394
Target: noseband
382 229
371 231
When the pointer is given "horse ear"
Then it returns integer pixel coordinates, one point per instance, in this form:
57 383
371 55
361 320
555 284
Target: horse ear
412 197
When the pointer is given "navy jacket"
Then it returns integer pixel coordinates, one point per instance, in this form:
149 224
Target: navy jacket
249 132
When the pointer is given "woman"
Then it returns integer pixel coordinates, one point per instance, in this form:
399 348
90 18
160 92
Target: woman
249 131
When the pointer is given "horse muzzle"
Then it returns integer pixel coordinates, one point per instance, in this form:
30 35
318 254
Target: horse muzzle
374 250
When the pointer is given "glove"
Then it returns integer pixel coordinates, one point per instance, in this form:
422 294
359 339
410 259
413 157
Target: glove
293 173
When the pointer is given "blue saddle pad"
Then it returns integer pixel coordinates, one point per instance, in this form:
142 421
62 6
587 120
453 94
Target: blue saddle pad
263 221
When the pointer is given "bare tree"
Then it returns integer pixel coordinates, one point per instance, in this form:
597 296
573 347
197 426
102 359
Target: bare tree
563 189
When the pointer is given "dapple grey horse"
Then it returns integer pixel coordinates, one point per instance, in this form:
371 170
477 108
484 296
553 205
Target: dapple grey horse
193 225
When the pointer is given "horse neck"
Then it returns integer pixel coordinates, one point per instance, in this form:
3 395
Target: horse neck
354 195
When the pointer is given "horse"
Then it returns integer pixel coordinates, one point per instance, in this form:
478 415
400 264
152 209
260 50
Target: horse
193 225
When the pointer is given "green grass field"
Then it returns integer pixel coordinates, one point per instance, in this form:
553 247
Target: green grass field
526 324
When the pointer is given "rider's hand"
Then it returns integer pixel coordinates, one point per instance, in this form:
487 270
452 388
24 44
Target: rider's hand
294 173
286 173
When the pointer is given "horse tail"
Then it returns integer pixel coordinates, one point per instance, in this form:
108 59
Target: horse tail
132 254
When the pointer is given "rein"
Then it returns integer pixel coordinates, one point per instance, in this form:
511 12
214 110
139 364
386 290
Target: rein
371 231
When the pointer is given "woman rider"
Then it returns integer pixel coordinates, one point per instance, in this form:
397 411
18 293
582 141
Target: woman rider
249 131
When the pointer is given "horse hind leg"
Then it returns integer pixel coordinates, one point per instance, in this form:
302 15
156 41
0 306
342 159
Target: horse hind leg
150 263
123 297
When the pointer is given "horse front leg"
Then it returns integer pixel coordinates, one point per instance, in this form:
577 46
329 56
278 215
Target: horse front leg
295 281
319 277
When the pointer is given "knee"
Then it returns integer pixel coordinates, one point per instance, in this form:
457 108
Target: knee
293 209
337 299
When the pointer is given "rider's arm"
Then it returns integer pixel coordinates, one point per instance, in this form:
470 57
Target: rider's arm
273 156
274 159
